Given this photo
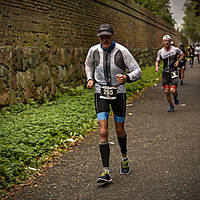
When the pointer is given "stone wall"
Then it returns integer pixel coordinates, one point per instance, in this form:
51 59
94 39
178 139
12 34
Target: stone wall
39 72
44 42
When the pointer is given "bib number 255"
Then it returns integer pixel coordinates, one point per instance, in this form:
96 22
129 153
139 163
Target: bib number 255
108 92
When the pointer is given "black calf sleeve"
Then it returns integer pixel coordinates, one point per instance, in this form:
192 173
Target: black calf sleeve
123 143
105 153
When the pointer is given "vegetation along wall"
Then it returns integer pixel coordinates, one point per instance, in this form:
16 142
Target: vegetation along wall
43 43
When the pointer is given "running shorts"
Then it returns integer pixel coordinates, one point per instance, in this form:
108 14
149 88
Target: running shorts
182 65
118 107
168 81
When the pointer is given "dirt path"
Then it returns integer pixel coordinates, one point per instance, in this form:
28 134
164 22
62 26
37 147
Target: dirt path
164 149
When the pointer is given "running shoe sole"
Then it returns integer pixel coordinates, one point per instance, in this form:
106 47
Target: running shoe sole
102 180
171 110
125 173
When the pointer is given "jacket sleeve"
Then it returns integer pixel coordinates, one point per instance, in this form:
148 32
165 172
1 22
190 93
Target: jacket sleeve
179 52
89 67
131 64
159 56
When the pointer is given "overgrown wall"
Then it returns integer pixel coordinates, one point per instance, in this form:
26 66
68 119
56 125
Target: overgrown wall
44 42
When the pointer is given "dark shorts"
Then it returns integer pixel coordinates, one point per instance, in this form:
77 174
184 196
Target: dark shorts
182 66
168 81
118 107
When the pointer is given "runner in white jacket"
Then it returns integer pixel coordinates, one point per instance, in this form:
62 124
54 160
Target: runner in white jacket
106 65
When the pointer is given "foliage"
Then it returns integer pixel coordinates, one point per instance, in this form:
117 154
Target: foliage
160 8
191 19
149 78
29 132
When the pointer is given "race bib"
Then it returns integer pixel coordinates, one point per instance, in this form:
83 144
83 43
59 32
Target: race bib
108 92
174 74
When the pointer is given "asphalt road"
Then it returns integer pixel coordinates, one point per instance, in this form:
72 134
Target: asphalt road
164 152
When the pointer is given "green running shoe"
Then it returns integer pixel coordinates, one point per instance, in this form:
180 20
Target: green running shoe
125 169
104 178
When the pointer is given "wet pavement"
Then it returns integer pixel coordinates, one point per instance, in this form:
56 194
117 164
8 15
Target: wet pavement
163 148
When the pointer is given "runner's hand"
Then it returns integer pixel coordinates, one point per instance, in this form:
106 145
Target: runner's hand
121 78
176 64
157 69
90 84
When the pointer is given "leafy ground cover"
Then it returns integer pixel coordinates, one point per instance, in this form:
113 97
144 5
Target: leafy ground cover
30 132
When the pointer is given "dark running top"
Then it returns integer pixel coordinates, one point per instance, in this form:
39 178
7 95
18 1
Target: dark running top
191 52
183 61
169 58
103 66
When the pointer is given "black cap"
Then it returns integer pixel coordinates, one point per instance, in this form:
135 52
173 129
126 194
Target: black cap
105 29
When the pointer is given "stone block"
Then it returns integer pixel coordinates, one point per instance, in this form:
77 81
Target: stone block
3 86
25 79
4 98
12 98
13 81
42 74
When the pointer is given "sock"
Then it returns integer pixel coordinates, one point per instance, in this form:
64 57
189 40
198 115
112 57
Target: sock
123 143
106 169
105 154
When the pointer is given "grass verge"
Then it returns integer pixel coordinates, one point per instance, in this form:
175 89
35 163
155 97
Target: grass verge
31 132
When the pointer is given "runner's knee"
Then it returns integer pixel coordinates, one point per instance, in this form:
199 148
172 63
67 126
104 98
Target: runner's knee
167 92
120 131
103 134
173 90
103 130
119 127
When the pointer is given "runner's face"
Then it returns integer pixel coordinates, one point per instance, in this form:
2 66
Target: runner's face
167 43
106 40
